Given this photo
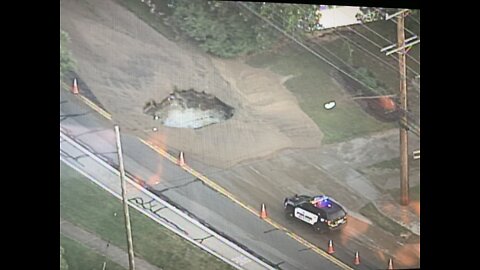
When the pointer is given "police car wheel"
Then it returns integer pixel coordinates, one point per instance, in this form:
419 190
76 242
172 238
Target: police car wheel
289 211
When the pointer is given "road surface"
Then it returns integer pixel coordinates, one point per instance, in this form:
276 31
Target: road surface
207 205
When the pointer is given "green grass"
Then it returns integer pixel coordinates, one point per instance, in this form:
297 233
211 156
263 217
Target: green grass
371 212
388 30
414 193
313 86
88 206
142 11
393 163
80 257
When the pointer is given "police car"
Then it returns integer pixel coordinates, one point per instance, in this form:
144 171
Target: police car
321 212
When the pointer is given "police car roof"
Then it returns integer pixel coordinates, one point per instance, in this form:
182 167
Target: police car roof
334 207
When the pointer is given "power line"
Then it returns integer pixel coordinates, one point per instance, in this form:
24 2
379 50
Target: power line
313 51
328 51
415 20
376 33
323 56
405 28
384 38
377 45
303 45
409 114
365 50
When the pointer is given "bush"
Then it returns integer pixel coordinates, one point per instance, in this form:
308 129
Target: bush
221 28
368 78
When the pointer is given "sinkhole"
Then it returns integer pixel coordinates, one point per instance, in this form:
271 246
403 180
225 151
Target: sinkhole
189 109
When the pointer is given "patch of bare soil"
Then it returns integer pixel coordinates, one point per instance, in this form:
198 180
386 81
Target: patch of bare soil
126 63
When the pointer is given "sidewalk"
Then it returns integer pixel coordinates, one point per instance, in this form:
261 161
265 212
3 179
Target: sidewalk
403 215
101 246
343 160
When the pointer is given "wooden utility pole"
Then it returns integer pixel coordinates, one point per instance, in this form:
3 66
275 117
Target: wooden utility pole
128 227
404 183
403 45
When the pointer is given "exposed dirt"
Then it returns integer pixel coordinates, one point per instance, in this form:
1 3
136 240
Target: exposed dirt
126 64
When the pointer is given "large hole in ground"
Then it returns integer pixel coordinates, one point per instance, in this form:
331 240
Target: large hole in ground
189 109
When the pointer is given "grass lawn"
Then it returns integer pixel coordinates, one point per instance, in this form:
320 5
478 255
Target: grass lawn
88 206
313 86
371 212
80 257
393 163
414 193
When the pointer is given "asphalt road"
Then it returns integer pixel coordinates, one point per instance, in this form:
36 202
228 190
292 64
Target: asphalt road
107 177
89 128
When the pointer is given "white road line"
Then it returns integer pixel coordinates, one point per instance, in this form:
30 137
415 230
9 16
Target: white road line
192 221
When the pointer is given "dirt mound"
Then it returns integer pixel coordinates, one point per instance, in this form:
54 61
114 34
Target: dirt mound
126 63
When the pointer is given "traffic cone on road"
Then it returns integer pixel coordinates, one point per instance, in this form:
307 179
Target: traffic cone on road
263 212
357 259
75 87
330 250
390 265
181 159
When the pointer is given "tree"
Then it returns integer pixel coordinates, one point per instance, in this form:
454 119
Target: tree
368 78
219 28
63 261
66 61
292 17
227 30
370 14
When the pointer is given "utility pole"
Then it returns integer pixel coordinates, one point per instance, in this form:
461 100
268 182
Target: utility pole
404 183
402 49
128 227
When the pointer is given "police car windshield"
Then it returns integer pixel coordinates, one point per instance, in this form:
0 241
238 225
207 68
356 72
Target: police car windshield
336 215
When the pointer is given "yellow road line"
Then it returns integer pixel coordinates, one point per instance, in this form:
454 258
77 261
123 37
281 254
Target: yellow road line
227 194
96 108
224 192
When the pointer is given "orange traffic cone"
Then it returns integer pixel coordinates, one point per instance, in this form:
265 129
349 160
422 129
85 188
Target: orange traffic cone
75 87
263 212
357 259
390 265
181 159
330 247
